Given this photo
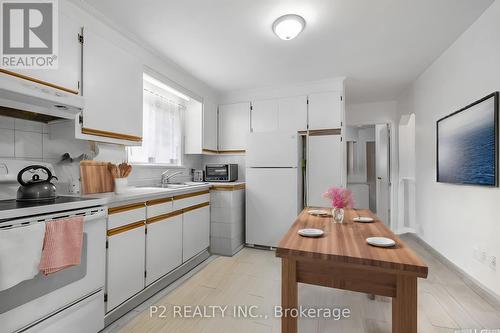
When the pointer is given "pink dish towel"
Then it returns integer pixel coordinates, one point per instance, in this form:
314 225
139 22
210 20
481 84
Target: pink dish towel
62 245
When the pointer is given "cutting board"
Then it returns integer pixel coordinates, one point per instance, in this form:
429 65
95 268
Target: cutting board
96 177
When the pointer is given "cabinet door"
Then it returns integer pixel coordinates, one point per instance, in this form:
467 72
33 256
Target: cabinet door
324 167
163 247
209 126
234 126
292 113
112 87
325 110
125 269
264 115
195 232
67 75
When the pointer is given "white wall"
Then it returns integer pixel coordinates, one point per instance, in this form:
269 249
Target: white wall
379 113
457 219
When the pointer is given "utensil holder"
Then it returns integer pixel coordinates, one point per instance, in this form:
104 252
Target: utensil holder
121 184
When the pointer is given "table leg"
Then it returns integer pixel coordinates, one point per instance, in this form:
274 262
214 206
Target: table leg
404 305
289 298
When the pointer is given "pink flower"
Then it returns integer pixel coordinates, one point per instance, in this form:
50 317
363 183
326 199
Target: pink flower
339 197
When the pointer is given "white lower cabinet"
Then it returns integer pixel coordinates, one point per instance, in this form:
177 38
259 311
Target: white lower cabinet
196 231
163 247
125 266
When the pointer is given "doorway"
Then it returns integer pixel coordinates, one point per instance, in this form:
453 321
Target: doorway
368 167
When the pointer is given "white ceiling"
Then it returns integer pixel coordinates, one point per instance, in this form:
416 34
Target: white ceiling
380 45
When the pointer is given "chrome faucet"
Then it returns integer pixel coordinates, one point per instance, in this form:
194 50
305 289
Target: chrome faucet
165 178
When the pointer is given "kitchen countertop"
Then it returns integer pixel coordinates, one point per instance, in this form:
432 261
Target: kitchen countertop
148 193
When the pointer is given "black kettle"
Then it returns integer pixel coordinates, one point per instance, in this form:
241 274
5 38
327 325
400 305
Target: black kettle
36 189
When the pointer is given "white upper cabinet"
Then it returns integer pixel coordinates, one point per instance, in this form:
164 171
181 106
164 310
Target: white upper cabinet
264 115
210 126
325 110
234 126
292 113
284 114
113 90
67 75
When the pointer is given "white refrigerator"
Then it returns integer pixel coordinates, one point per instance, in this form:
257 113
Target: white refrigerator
273 186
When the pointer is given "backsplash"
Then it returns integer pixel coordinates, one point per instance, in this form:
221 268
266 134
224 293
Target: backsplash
29 140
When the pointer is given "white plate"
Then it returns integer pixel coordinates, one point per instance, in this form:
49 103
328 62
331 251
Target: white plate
380 241
363 219
311 232
319 212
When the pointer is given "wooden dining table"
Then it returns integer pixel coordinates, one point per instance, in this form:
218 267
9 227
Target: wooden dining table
342 259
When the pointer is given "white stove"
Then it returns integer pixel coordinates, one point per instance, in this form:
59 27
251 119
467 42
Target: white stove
71 300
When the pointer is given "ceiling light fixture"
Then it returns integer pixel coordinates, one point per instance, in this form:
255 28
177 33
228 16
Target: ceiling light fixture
289 26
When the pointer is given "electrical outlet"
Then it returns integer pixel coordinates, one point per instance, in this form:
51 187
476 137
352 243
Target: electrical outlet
493 263
482 256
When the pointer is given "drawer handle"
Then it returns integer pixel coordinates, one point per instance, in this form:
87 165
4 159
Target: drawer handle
121 209
187 209
189 195
163 216
128 227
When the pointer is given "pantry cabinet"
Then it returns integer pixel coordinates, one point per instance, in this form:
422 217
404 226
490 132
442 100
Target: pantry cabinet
112 87
234 126
325 110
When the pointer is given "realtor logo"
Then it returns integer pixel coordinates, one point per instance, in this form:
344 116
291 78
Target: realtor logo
29 34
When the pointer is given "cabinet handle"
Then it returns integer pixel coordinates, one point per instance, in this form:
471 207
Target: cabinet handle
188 209
125 228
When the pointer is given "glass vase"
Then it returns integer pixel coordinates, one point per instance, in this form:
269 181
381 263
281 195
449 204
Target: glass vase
338 215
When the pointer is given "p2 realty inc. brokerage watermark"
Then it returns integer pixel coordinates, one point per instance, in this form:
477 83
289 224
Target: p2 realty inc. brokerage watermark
29 34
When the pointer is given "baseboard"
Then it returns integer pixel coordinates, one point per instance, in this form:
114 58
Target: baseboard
475 285
154 288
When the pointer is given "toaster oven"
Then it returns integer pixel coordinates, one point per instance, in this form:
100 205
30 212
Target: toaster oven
221 172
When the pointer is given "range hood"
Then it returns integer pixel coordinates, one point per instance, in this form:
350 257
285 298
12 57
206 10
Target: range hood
26 99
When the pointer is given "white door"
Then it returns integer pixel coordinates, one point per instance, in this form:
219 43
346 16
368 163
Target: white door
234 126
325 110
264 115
272 149
324 167
292 113
209 125
163 247
195 232
382 171
271 204
112 87
125 268
68 73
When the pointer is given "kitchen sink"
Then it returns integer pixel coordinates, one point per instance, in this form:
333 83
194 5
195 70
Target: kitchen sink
179 185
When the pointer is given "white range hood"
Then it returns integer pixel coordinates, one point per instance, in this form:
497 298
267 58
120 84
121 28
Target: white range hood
18 95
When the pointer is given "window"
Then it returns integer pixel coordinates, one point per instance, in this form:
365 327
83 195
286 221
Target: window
162 128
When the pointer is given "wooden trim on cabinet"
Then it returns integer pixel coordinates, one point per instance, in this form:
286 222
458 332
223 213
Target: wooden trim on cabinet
125 228
113 135
229 151
330 131
189 195
48 84
190 208
228 187
164 216
158 201
124 208
234 151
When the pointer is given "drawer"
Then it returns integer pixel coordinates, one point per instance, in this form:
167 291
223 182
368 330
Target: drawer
159 207
123 215
190 199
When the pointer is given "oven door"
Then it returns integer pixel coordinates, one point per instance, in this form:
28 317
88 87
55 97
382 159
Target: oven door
217 172
32 301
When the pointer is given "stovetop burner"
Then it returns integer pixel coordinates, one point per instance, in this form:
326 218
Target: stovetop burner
15 204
